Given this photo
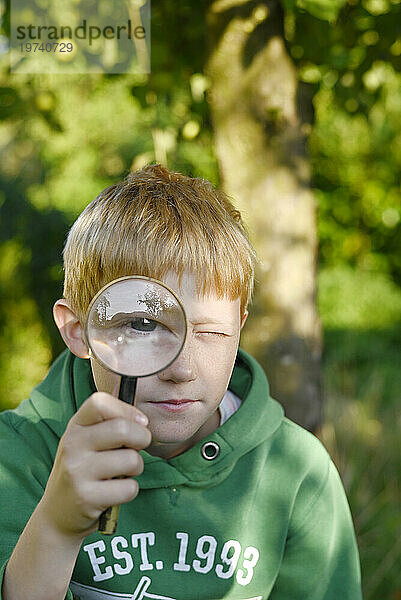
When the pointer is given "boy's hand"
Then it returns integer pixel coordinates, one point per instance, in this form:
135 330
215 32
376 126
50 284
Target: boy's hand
101 442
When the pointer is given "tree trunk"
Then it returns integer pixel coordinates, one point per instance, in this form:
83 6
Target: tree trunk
260 120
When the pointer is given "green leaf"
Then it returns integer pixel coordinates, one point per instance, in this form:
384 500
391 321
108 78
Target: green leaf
322 9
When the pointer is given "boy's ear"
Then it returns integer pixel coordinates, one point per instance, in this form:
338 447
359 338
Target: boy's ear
244 318
70 328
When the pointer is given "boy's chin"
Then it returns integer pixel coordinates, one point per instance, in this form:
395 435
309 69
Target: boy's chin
184 433
172 438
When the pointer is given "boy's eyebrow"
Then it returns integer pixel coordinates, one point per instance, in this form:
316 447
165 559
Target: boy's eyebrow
206 321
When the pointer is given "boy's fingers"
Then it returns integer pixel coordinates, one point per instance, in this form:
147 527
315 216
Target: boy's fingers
117 433
112 492
102 407
117 463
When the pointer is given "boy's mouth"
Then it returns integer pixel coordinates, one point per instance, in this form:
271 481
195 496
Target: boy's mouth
173 404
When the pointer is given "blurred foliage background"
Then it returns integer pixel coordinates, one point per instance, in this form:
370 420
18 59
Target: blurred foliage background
64 138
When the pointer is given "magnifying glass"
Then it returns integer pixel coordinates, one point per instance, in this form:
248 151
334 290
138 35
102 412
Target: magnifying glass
135 327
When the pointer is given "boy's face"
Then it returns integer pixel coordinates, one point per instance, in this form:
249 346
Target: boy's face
181 402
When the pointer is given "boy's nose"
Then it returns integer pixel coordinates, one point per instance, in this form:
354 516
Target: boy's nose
182 369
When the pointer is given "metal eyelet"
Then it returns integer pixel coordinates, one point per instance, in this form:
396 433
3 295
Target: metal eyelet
210 450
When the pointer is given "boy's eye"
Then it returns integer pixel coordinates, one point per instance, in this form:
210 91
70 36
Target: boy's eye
212 333
143 324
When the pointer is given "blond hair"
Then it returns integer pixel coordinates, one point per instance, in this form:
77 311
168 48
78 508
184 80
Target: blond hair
153 222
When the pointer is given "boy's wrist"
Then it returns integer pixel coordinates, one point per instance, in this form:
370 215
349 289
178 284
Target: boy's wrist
55 533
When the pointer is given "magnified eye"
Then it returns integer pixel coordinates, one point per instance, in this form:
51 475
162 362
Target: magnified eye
143 324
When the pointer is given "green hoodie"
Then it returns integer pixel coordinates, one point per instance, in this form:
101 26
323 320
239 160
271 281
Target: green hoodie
266 518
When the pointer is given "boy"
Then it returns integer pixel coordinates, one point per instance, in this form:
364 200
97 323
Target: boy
222 496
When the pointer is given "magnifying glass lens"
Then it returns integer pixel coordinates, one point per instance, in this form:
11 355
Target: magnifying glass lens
136 326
